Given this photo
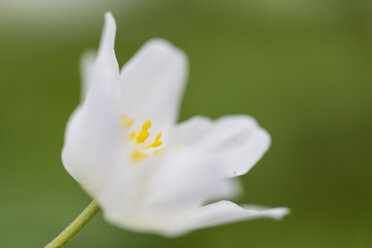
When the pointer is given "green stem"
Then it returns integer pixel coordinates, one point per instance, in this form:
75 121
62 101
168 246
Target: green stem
72 229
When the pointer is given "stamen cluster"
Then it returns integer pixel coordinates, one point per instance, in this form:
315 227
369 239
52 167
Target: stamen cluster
142 148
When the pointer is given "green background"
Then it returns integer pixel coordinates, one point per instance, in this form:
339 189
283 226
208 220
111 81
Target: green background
302 68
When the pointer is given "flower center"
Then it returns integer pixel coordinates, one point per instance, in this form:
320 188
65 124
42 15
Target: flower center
142 148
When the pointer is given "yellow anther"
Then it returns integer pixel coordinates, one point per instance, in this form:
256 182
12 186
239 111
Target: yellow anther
125 121
141 152
157 142
132 135
129 123
142 136
177 148
159 151
137 155
146 125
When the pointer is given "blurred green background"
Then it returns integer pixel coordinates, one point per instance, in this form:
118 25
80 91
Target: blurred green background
302 68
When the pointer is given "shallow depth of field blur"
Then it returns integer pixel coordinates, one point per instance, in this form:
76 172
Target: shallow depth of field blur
302 68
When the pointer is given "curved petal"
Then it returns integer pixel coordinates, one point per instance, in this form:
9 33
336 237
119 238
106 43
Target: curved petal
165 188
101 69
93 135
189 132
152 83
235 142
104 74
224 212
106 61
181 182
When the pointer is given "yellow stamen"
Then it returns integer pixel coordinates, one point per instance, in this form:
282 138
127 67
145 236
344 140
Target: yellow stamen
132 135
129 123
157 142
141 152
146 125
137 155
125 121
159 151
142 136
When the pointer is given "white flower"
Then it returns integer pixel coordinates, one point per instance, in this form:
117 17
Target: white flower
148 173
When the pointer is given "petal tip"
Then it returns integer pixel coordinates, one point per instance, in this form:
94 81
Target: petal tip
280 213
109 32
162 46
109 18
110 23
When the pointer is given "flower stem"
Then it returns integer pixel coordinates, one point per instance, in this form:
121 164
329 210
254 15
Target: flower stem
72 229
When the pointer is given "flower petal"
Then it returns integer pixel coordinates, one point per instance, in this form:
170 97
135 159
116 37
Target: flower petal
106 59
152 83
100 69
92 134
189 132
181 182
235 143
104 74
224 212
164 188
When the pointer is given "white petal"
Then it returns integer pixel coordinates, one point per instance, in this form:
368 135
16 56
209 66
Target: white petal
166 187
106 59
224 212
101 69
234 142
182 181
93 135
104 77
190 132
152 83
